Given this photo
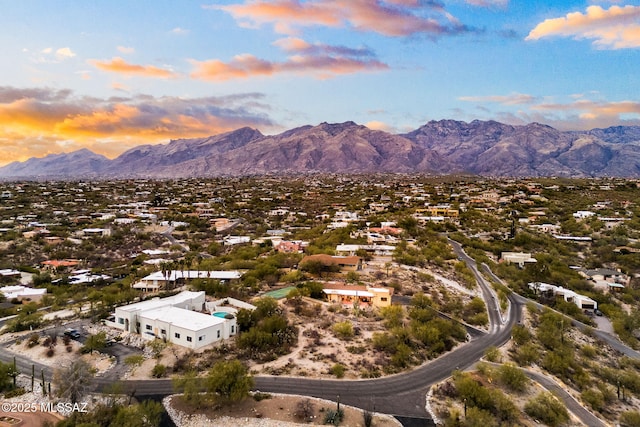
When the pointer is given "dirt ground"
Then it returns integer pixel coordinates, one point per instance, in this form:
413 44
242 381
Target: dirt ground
27 419
278 408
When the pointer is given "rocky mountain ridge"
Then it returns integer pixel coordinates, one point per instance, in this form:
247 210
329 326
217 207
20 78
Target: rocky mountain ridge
485 148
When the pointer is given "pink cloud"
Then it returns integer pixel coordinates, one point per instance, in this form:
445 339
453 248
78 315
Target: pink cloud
387 17
318 60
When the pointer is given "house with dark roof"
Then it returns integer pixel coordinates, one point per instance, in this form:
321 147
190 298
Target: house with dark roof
344 263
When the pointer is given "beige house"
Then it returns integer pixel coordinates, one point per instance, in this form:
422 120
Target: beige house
519 258
350 296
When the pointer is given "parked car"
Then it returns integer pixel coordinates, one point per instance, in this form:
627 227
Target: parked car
72 333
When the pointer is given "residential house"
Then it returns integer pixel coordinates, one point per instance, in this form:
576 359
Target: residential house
351 296
235 240
58 265
352 249
23 293
178 319
519 258
606 279
170 279
344 263
291 246
583 302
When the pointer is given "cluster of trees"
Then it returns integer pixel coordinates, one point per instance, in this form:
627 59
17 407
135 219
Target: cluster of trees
482 394
417 334
430 249
265 332
600 379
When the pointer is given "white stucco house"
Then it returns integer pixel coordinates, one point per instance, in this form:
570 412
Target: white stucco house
582 301
171 278
180 319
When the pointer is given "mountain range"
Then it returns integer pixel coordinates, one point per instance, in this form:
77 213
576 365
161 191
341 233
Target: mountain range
485 148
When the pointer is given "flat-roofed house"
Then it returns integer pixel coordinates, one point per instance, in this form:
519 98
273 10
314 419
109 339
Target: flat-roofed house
519 258
172 278
356 295
178 319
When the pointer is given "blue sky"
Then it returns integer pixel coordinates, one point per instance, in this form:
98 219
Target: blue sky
110 75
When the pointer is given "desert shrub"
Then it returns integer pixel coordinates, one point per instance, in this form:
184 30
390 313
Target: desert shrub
159 371
33 340
588 351
594 398
334 417
343 330
134 360
356 349
492 354
258 396
630 419
477 417
526 355
338 370
50 352
546 408
520 334
304 410
512 377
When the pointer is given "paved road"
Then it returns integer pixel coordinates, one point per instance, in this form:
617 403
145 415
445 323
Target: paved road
400 395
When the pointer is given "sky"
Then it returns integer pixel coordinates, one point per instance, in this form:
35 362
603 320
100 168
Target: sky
112 75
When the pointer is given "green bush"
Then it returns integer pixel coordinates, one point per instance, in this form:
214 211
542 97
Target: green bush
492 354
594 398
343 330
630 419
513 378
338 370
159 371
546 408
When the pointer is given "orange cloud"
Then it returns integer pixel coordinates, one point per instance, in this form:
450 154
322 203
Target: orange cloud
120 66
387 17
40 121
615 28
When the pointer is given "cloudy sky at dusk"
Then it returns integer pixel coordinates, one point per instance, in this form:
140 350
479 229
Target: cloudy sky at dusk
110 75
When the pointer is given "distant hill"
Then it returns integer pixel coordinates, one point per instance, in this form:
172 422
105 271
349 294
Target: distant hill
439 147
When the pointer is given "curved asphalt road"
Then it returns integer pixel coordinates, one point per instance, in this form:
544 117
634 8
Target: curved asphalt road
401 394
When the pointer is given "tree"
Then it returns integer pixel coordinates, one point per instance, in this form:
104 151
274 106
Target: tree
95 342
72 382
229 380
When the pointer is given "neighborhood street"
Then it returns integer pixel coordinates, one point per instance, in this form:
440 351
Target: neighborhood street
402 395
